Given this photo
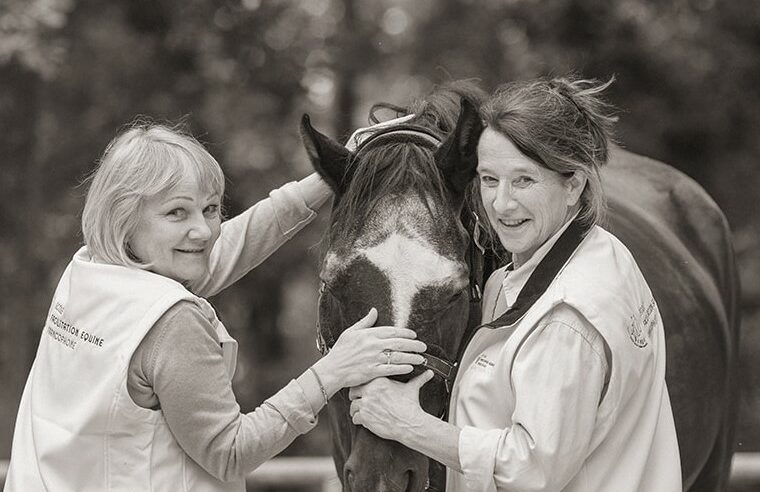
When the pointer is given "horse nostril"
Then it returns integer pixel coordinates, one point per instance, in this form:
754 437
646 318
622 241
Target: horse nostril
348 479
410 485
415 481
409 482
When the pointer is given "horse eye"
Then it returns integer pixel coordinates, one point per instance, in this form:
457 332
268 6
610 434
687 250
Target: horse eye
455 297
324 288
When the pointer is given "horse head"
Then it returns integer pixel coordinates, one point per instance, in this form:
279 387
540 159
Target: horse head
396 243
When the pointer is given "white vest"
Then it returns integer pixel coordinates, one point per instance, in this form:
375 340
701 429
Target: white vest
77 427
634 446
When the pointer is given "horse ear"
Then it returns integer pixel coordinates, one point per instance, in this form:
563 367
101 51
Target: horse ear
329 158
457 157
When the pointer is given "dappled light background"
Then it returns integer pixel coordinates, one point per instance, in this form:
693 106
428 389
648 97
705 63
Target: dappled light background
240 73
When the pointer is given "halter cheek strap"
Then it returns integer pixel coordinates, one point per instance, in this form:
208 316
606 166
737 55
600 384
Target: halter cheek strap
442 368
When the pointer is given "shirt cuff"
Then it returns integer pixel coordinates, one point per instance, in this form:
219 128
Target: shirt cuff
311 390
294 406
315 191
290 208
477 456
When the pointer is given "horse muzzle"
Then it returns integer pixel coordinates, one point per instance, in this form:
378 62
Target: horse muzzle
379 465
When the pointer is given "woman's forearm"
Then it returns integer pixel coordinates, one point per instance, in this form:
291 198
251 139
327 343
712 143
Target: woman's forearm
315 191
434 438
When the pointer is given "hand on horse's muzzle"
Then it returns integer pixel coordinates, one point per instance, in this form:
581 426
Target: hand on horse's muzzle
364 352
387 408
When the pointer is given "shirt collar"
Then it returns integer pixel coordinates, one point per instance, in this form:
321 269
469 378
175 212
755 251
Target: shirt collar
515 279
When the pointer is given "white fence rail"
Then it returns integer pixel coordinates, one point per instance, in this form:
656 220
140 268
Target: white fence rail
295 471
745 469
299 471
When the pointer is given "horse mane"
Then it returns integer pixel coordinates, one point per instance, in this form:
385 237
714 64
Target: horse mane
398 164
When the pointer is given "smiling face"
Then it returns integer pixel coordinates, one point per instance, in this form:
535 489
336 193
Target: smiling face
177 230
526 203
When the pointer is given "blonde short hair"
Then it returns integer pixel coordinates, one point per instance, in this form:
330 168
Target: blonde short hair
142 161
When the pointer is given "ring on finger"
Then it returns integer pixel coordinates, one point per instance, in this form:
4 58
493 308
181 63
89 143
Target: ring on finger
387 353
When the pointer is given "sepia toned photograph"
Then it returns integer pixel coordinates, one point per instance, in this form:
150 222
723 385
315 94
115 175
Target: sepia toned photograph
380 245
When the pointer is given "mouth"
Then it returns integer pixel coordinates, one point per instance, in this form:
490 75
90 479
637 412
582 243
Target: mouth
512 224
191 251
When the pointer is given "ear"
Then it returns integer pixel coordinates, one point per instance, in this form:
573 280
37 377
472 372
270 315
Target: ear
575 185
457 157
329 158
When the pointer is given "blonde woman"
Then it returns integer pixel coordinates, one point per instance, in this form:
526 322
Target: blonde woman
131 386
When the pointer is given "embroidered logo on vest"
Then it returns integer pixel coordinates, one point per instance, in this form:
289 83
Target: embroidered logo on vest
641 324
484 362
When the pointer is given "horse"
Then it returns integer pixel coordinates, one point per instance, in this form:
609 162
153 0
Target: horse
397 241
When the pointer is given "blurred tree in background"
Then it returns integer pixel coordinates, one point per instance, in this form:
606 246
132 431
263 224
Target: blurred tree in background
240 73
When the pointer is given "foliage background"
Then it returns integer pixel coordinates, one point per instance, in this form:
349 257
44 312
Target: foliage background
241 72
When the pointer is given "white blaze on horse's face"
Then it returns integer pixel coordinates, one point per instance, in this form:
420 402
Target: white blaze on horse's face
410 264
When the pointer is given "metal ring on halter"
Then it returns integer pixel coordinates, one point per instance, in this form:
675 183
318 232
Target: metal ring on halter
387 353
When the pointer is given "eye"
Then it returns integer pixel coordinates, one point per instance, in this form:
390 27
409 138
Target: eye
211 210
523 181
324 288
454 298
177 213
486 180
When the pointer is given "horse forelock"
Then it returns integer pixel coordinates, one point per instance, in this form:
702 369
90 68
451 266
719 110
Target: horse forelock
422 218
387 172
401 164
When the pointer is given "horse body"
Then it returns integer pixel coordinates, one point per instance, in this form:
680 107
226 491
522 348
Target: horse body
681 241
405 255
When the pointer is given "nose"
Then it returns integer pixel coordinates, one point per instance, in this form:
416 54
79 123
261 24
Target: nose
503 201
199 230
